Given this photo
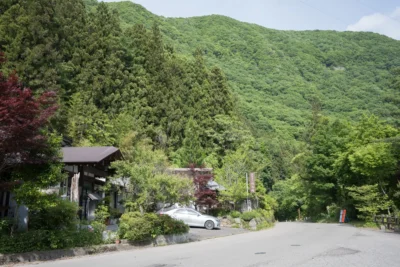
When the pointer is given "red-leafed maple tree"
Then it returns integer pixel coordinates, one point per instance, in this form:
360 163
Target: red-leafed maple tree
22 118
203 194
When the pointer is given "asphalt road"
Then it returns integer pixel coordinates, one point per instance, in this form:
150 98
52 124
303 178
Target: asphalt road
287 244
197 234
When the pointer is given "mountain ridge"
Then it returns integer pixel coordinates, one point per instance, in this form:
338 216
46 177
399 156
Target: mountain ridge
139 6
275 74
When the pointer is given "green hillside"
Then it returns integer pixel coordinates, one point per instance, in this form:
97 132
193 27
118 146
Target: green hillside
276 74
291 88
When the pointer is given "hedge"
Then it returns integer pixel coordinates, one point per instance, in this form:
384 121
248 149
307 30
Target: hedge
137 227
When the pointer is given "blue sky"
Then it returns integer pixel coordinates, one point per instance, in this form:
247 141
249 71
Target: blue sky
381 16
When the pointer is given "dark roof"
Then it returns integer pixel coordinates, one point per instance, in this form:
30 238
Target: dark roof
88 154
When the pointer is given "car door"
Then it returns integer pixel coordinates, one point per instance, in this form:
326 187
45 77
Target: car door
193 218
182 215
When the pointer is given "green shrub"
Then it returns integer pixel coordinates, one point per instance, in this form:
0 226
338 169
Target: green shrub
6 225
171 226
219 212
133 226
98 227
137 227
115 213
267 215
37 240
235 214
102 213
249 215
264 225
61 215
260 215
52 227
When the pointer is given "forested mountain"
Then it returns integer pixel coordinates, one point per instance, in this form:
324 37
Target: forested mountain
106 77
279 77
276 74
314 113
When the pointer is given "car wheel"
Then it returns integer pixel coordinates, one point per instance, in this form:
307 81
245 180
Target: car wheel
209 225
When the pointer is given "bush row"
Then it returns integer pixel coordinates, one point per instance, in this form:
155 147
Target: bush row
253 214
37 240
51 227
137 227
257 214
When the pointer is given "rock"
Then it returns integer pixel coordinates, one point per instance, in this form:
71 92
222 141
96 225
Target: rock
237 223
164 240
226 223
253 224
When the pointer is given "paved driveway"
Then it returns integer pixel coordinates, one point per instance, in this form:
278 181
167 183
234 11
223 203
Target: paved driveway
287 244
197 234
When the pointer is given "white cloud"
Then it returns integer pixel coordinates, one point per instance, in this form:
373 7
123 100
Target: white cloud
380 23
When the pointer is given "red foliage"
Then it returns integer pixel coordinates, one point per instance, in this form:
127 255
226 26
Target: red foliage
204 195
22 116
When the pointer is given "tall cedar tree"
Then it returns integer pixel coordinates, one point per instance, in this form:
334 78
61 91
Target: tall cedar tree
40 39
22 117
103 75
191 152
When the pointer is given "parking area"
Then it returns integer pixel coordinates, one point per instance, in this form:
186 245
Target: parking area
197 234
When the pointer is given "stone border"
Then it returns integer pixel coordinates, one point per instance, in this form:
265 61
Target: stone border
77 252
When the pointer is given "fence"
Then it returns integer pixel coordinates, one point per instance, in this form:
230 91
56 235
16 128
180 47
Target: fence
389 221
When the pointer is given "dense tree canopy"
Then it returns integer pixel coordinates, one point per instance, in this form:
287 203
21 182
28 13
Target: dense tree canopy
314 113
275 76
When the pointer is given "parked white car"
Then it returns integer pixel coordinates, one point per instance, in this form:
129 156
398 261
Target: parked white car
192 217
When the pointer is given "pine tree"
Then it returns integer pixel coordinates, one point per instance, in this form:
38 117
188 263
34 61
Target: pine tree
38 38
88 125
191 152
102 74
220 94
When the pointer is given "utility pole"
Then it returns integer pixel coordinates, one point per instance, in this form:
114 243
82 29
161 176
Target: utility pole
247 189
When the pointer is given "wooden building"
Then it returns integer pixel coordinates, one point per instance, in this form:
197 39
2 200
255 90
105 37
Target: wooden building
87 171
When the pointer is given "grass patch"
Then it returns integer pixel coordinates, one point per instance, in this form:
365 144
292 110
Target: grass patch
364 224
264 225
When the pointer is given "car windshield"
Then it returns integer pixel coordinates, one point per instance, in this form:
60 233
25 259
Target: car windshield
167 208
192 212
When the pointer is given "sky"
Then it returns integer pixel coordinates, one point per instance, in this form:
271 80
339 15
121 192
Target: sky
380 16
